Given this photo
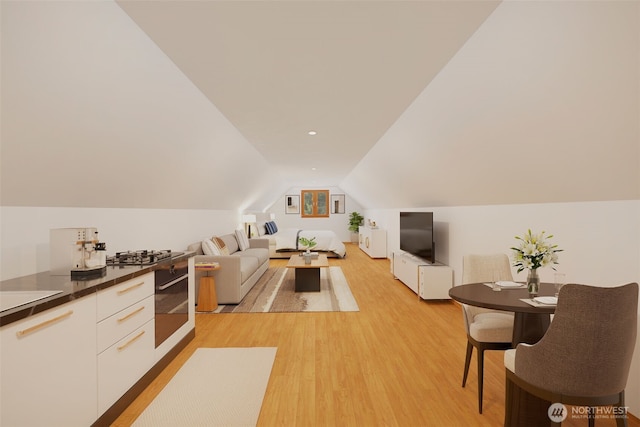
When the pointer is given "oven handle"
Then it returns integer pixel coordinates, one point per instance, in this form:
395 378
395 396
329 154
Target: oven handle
173 282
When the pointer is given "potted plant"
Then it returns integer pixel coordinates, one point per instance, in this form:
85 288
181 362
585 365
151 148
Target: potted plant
308 243
355 221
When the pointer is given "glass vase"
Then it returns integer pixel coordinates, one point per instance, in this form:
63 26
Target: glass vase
533 283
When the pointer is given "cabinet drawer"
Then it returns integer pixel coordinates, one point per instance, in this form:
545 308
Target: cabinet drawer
115 327
124 363
48 373
121 296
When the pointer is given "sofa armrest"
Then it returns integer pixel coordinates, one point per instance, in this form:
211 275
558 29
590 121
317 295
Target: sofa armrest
228 278
259 243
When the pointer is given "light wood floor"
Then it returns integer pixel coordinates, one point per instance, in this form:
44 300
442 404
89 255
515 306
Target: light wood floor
396 362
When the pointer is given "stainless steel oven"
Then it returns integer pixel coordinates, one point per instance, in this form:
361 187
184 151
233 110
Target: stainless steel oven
171 298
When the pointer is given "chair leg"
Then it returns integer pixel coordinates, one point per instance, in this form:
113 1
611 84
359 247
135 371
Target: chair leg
621 421
467 362
480 377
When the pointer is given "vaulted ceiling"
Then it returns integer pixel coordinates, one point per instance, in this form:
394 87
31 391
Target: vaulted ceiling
206 104
279 69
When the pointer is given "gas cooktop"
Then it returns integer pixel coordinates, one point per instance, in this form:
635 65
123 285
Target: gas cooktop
144 257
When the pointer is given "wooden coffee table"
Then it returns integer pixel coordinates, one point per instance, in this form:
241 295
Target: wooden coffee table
307 276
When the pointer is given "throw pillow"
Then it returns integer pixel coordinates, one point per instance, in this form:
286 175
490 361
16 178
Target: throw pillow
243 240
274 226
222 247
209 248
271 227
262 230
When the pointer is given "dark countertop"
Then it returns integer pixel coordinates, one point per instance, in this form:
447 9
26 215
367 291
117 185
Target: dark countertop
72 289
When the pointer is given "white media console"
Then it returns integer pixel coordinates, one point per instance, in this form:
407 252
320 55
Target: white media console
428 281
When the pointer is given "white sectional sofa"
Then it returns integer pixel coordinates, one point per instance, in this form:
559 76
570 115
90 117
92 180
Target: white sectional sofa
239 271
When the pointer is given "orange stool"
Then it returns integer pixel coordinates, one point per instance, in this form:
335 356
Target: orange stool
207 299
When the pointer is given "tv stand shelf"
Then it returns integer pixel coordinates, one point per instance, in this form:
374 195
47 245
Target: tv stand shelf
427 280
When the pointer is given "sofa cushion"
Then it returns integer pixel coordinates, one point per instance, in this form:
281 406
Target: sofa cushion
271 227
243 240
210 248
248 266
230 242
222 246
261 254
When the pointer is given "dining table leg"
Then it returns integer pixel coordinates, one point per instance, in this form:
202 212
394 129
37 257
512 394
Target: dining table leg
529 328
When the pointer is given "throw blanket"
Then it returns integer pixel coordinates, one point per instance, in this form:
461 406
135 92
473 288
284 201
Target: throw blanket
326 240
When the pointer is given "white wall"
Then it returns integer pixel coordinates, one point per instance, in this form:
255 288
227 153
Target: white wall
338 223
24 243
601 243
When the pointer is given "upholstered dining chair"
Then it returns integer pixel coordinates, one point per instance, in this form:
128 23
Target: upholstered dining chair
486 329
584 357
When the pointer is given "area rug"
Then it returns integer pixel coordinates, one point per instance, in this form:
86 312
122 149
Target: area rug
215 387
274 293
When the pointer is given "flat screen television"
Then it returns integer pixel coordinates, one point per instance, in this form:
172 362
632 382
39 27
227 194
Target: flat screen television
416 235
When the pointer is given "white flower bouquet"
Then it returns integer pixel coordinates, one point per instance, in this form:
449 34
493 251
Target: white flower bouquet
534 251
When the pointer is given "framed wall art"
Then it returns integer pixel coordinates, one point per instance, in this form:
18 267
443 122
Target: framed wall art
292 204
337 203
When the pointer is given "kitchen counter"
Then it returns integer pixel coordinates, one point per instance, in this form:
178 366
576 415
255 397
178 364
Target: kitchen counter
68 290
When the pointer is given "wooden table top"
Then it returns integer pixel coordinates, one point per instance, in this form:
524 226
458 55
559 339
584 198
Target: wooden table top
481 295
297 261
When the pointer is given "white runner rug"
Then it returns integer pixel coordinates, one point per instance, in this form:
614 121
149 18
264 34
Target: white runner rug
215 387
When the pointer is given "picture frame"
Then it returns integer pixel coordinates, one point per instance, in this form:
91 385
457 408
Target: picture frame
337 204
292 204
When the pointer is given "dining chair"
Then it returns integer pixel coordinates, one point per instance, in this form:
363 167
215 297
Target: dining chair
486 329
584 357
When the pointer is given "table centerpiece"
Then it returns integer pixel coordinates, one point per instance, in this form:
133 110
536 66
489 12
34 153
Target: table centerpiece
534 252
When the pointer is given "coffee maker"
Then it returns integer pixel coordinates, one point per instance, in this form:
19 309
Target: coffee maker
77 252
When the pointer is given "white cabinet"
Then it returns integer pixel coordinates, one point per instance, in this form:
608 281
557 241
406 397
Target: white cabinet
405 269
429 281
373 241
434 281
125 337
123 364
49 367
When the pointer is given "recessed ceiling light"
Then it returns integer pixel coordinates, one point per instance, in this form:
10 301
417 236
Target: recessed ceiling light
313 169
312 132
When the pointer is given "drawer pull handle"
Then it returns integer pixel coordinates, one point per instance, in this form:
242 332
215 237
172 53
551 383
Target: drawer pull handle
130 288
131 341
43 324
122 319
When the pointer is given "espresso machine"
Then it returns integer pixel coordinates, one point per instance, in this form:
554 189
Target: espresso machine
77 252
